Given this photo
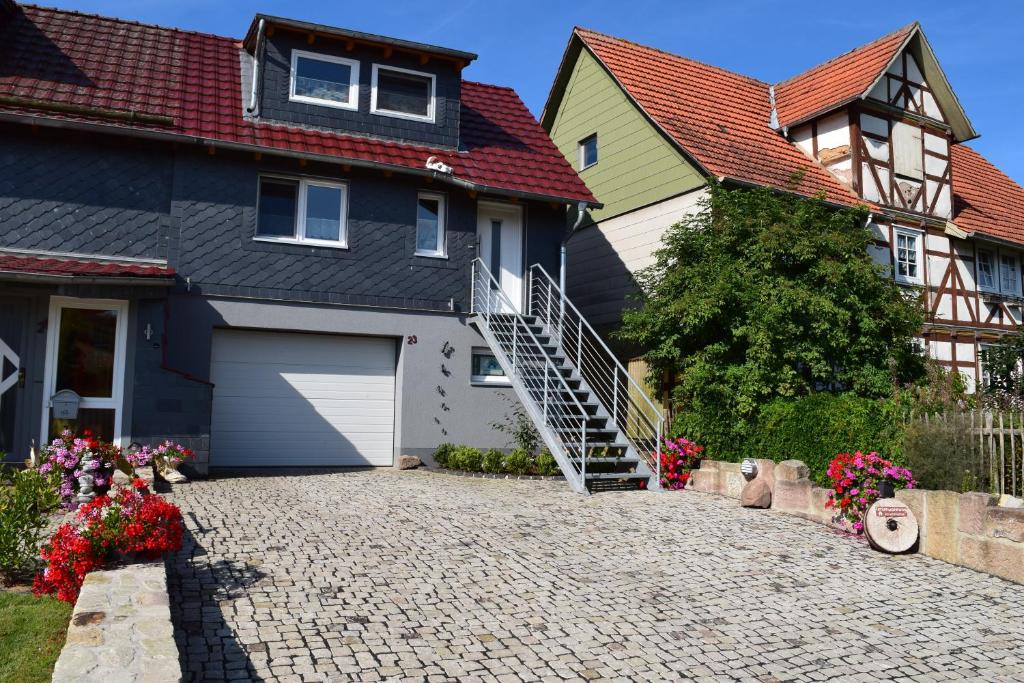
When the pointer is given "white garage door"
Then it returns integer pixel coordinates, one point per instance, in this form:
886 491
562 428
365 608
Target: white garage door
284 399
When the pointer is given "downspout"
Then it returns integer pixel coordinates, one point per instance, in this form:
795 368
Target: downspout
256 65
581 212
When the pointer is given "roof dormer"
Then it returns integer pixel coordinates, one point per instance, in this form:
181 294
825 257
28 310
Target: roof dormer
351 82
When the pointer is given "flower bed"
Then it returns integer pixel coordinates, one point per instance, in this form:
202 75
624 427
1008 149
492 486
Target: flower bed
130 522
678 457
519 462
856 482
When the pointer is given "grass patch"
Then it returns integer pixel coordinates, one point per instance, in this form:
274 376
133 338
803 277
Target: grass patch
32 632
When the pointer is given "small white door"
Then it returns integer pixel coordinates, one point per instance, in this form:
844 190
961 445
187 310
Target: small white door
85 352
500 236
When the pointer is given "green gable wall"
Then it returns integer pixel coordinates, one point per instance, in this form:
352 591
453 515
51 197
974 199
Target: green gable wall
636 165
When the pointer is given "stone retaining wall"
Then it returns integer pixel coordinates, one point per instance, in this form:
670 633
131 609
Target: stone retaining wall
966 529
121 629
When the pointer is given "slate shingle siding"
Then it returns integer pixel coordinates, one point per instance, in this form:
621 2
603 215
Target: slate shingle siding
276 106
86 197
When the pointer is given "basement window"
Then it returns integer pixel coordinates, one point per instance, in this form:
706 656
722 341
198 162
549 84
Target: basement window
402 93
487 370
302 211
324 80
588 151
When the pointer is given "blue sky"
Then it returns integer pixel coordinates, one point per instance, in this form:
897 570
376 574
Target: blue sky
979 43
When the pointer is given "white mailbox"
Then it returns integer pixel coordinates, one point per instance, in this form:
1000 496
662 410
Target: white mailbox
65 405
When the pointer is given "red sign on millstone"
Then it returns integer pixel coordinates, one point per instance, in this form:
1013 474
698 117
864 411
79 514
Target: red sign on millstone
890 526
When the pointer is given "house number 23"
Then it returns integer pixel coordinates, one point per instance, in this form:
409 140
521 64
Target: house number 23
411 340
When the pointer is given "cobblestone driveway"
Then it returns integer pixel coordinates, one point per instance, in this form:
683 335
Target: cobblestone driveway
413 575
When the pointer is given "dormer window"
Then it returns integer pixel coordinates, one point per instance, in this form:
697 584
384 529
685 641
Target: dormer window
402 93
324 80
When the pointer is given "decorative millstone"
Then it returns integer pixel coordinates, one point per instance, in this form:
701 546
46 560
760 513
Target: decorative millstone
890 526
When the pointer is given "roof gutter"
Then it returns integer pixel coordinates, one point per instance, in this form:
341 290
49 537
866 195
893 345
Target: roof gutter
256 66
162 136
44 278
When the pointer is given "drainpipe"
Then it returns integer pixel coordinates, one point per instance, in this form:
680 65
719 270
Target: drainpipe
581 212
256 65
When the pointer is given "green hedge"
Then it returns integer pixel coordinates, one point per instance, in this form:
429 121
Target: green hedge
812 428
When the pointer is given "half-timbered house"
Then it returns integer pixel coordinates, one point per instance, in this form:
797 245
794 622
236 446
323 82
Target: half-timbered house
880 125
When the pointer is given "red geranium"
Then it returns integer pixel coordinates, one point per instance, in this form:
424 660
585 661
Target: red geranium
128 522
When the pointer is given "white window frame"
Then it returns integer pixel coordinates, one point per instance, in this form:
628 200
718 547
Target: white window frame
583 153
431 107
994 263
1016 291
353 85
115 401
918 236
300 210
442 225
486 380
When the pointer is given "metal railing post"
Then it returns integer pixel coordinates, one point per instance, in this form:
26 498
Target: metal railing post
657 455
583 450
579 348
515 334
472 287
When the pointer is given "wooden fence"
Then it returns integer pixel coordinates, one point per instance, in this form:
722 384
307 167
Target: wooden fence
987 445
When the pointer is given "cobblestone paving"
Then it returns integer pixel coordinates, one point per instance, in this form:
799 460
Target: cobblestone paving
420 576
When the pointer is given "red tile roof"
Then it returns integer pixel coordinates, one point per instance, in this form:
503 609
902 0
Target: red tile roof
90 69
81 267
837 81
986 200
719 117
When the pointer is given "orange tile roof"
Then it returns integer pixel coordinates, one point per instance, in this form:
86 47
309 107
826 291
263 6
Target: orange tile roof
986 200
718 117
837 81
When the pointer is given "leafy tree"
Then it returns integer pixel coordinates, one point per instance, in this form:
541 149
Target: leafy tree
763 294
1004 367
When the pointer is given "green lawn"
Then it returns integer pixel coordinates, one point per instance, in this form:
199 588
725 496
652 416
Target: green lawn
32 632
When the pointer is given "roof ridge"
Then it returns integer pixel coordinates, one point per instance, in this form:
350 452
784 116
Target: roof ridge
467 81
130 22
673 55
903 29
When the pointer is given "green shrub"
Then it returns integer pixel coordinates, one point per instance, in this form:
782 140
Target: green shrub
26 496
466 458
942 455
443 453
546 464
817 427
518 462
493 461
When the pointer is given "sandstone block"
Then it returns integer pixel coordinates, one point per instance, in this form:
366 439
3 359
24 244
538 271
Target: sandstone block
994 556
1008 501
917 502
732 480
791 470
408 462
766 471
704 480
792 496
942 510
819 496
756 494
1005 523
972 512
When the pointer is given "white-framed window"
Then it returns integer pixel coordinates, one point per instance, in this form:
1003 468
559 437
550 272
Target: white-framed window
588 151
430 224
1009 274
984 373
908 256
486 369
302 210
986 270
324 80
403 93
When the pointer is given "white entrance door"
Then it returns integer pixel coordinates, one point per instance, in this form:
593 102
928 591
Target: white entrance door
85 352
499 231
285 399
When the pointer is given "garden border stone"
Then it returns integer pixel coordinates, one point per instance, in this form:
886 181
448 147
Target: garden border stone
966 529
488 475
121 628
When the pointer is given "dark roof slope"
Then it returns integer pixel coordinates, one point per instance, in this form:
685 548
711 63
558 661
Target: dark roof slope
144 79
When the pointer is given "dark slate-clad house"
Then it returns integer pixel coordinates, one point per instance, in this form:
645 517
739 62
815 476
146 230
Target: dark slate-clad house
262 247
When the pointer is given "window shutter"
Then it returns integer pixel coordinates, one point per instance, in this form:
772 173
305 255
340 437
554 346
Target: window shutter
907 151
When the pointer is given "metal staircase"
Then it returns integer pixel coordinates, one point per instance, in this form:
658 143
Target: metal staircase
595 419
